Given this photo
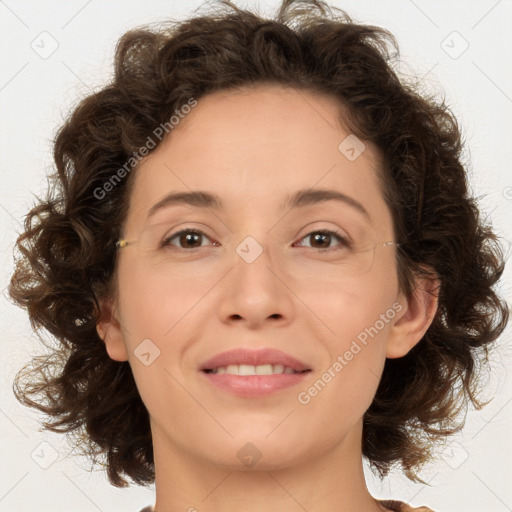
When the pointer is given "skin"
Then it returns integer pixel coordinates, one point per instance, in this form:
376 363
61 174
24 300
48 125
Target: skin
253 147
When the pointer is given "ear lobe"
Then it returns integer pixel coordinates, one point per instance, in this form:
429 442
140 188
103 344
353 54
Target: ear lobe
109 330
417 316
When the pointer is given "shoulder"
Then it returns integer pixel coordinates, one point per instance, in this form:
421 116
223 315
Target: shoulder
400 506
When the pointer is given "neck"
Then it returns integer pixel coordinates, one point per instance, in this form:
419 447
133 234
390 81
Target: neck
333 480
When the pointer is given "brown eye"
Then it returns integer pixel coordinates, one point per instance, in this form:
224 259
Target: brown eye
187 239
322 239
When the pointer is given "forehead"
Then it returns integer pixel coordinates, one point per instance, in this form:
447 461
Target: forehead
256 146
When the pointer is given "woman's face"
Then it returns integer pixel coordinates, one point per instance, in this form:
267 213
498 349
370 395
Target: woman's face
263 276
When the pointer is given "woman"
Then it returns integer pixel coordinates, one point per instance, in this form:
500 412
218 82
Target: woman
263 264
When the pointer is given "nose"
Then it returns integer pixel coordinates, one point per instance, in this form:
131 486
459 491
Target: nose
256 291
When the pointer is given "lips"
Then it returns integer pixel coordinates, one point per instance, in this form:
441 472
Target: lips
253 373
243 356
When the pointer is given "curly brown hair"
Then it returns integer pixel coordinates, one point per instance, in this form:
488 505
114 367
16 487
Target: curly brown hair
66 260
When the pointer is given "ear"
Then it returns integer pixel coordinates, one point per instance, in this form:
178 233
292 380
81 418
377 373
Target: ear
416 317
109 330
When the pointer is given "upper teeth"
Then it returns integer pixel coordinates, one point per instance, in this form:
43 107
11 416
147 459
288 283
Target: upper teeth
247 369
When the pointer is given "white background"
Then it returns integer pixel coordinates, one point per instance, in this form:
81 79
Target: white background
473 474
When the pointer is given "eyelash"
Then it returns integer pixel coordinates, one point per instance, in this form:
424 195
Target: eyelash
343 239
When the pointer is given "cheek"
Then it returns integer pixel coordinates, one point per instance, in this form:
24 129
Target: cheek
342 390
358 319
153 302
354 308
155 313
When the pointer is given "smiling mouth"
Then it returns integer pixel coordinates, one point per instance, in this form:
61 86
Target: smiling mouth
247 370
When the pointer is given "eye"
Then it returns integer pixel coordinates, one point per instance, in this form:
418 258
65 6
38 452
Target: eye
324 237
192 238
188 237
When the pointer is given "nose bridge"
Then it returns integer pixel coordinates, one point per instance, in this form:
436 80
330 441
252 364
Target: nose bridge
253 239
255 263
255 292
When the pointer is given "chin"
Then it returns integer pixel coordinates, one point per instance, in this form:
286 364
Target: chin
257 452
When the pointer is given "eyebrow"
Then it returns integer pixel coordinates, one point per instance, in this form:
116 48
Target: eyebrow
301 198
